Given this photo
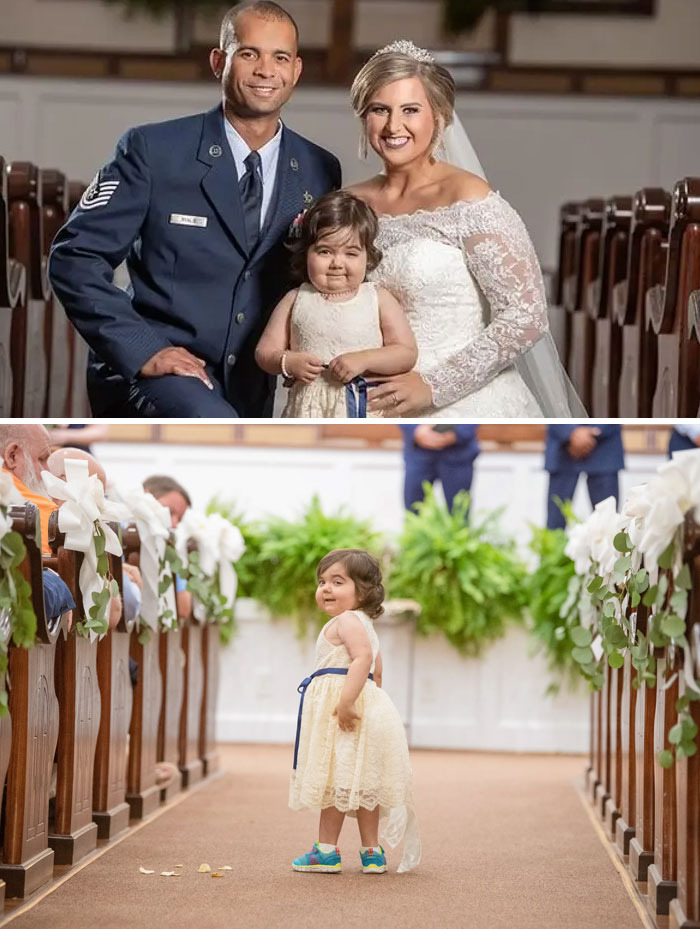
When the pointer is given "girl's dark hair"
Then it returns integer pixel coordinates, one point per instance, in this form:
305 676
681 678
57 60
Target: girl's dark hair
363 569
334 211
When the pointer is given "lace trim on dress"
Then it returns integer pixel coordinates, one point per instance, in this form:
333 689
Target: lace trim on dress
501 258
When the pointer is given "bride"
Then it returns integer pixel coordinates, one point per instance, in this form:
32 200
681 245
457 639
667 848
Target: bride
456 255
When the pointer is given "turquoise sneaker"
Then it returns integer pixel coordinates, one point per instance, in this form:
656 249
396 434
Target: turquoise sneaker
316 860
373 860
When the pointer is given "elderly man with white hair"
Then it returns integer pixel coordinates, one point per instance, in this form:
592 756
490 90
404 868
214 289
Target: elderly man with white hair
24 451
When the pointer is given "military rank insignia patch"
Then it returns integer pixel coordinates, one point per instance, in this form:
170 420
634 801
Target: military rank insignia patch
98 193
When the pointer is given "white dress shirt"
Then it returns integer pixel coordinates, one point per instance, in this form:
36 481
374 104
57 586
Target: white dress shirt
269 157
689 431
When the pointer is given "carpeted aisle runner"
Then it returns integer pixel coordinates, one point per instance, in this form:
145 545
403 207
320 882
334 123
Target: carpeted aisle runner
506 843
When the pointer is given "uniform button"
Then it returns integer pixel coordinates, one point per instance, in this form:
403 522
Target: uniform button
240 317
231 359
246 275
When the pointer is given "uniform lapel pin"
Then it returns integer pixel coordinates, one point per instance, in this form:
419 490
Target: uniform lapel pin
215 151
308 198
294 164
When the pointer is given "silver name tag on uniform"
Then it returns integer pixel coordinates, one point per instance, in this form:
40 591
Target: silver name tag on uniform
180 219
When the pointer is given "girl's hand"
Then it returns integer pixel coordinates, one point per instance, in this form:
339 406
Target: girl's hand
303 367
345 367
400 395
347 717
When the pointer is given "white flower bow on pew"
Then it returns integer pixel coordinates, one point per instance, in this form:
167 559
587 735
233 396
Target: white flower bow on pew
152 521
83 517
219 545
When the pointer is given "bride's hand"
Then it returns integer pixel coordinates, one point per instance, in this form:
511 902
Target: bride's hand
400 395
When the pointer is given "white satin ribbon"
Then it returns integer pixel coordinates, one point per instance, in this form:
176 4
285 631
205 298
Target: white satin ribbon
152 521
83 511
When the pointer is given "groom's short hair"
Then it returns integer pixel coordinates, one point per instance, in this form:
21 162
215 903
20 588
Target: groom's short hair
267 9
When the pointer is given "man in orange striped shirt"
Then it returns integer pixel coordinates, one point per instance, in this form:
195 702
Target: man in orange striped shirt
24 452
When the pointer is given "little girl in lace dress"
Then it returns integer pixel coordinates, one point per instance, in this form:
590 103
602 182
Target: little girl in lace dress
351 755
336 327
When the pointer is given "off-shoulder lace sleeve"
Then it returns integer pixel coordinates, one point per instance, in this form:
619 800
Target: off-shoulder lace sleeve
502 259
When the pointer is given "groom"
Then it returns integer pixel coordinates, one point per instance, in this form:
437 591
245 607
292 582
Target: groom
199 207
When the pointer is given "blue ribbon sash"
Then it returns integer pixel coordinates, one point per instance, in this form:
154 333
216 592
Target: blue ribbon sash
356 398
302 690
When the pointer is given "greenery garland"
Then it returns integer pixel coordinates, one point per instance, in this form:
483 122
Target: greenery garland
278 567
609 612
468 582
16 609
98 614
547 589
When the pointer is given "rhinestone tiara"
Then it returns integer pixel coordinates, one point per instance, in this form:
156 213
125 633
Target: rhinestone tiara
406 47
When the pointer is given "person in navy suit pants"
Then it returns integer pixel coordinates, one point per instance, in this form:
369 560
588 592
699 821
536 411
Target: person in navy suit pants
684 437
593 450
200 208
444 454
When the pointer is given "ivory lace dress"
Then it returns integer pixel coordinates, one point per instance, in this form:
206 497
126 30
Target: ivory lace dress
363 768
327 329
470 282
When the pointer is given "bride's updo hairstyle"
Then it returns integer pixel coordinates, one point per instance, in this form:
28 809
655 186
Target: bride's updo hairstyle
396 62
363 569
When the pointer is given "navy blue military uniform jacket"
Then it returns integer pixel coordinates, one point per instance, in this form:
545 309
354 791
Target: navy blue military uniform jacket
607 456
169 204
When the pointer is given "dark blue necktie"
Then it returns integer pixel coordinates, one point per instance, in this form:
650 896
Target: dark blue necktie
251 189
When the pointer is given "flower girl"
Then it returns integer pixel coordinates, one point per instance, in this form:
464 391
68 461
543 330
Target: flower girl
351 755
334 329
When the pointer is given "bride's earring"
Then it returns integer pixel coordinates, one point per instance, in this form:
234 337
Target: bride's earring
363 150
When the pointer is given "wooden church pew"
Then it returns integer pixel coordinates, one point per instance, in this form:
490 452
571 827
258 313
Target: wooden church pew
645 267
624 826
173 675
661 886
677 392
614 243
694 332
684 910
13 287
28 356
582 345
613 802
27 860
73 833
641 852
565 281
143 794
57 327
110 811
191 763
208 751
78 350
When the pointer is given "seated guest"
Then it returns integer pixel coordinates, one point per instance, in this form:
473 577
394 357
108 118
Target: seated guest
172 495
683 438
24 452
58 599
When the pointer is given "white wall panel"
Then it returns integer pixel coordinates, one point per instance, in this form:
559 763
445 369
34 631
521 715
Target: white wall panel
539 151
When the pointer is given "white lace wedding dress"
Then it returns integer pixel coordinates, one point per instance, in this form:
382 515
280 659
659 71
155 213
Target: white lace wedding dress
470 282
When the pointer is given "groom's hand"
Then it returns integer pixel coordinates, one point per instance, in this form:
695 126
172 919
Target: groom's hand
176 361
